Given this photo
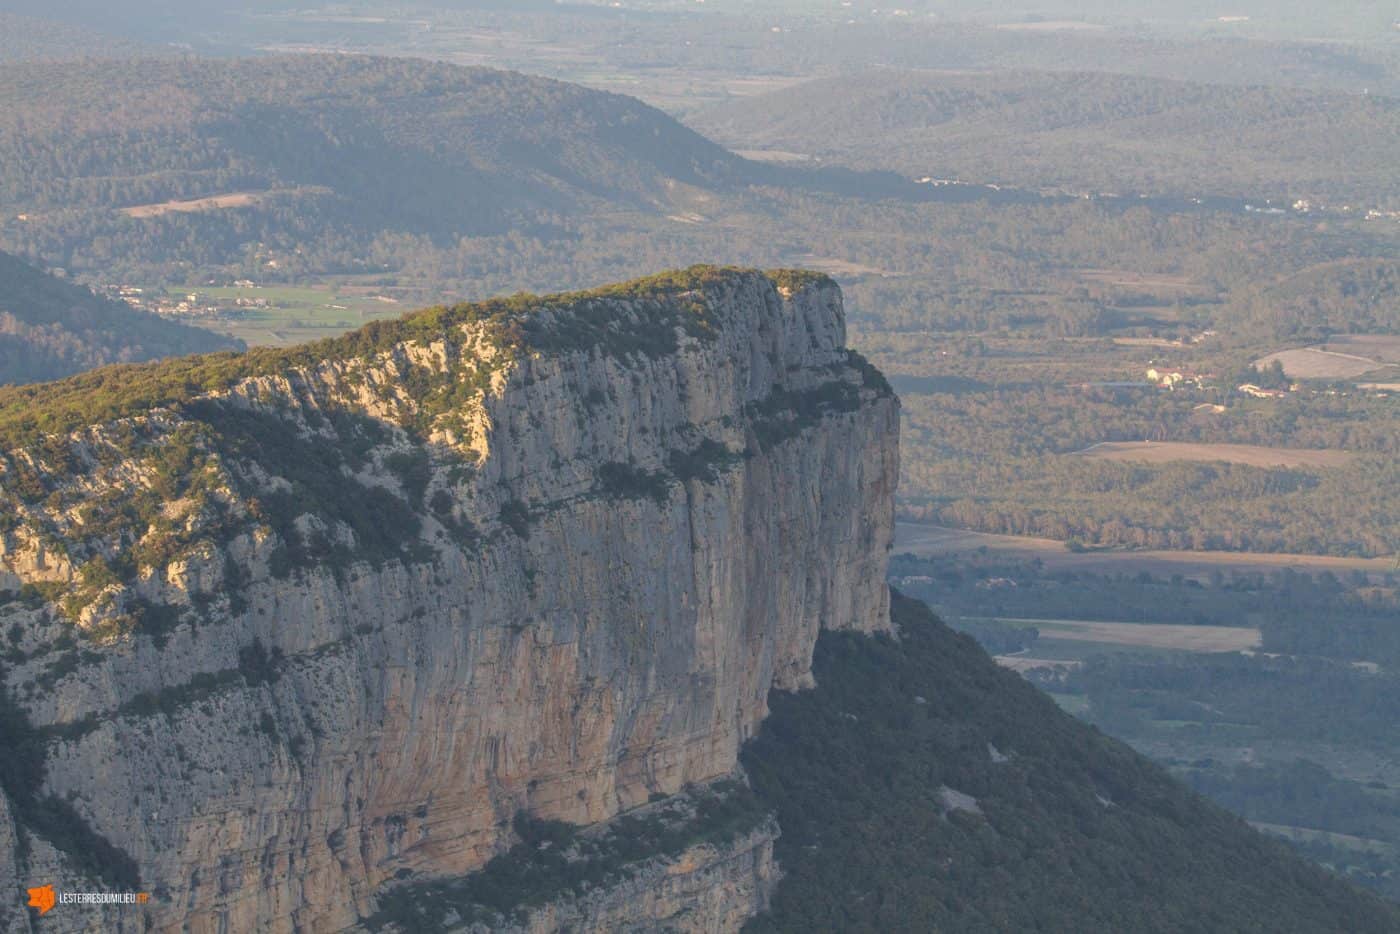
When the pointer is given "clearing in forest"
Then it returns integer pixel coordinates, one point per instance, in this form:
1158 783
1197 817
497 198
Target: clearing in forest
239 199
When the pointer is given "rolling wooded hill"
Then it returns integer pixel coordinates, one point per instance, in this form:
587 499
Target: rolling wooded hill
1092 131
922 788
50 328
208 163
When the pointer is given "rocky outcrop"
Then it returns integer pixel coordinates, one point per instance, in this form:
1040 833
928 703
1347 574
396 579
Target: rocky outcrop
295 624
708 888
698 861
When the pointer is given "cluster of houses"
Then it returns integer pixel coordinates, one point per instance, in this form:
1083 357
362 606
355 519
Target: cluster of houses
1167 378
1258 392
191 304
1178 379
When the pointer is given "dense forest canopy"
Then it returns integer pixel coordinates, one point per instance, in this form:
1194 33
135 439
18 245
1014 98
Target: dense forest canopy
50 328
920 787
320 153
1091 131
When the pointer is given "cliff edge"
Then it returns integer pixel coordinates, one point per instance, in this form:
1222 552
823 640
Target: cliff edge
285 626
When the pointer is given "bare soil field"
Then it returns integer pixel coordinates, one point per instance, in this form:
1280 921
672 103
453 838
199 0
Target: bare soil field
241 199
921 538
1160 452
1184 638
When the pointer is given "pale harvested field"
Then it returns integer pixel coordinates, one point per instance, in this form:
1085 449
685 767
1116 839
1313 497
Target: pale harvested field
754 85
1317 363
1160 452
1054 25
1150 635
1147 342
833 266
922 538
772 155
241 199
1126 278
925 538
1026 663
1382 347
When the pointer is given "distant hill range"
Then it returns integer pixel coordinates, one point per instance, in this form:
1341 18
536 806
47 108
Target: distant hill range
1082 131
50 328
28 38
255 163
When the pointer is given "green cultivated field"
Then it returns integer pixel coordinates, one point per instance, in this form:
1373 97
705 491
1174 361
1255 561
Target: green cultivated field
298 314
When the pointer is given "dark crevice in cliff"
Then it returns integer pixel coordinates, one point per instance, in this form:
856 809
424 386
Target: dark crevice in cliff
256 666
23 768
554 861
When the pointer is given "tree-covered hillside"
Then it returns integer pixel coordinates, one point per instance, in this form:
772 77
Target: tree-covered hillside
126 166
1097 132
922 788
50 328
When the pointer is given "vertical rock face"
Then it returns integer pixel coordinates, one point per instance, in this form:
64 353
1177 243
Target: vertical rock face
319 620
708 888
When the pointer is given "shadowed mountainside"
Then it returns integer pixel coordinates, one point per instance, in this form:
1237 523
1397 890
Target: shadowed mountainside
50 328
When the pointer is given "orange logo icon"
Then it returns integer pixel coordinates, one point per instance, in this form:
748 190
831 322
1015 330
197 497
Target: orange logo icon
41 898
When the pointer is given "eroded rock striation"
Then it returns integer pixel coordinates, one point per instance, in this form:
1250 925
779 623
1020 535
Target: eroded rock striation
284 627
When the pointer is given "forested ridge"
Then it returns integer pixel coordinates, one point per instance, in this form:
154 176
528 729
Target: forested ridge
1088 131
50 328
327 155
514 325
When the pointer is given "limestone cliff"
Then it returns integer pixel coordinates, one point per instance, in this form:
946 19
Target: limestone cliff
286 626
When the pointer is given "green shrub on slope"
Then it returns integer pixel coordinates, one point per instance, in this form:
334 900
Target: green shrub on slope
875 773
